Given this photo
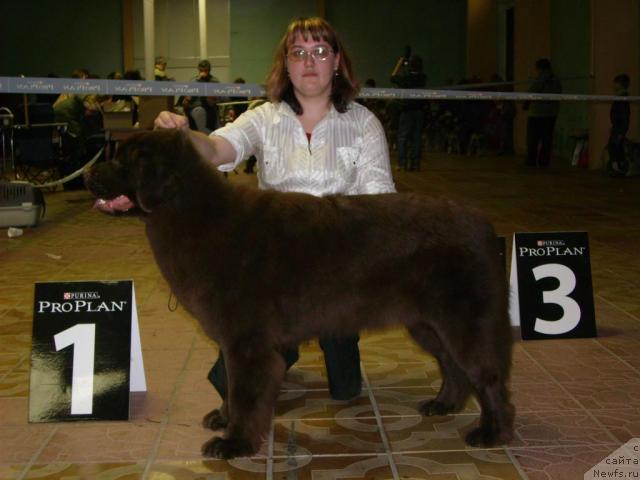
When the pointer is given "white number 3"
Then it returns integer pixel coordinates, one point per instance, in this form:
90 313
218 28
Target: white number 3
570 308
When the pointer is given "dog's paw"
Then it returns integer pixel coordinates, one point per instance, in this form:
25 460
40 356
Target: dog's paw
488 437
226 448
215 420
435 407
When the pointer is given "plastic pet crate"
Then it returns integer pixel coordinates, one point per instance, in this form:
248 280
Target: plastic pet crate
21 205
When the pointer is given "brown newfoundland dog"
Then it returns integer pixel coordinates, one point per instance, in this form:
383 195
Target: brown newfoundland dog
265 270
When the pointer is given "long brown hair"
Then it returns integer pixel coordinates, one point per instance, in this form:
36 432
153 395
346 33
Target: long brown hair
279 87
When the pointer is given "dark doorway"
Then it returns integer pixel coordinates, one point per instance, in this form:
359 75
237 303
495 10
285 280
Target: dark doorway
509 40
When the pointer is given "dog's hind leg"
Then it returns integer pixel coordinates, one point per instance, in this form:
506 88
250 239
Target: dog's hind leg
455 388
218 418
486 360
255 373
496 419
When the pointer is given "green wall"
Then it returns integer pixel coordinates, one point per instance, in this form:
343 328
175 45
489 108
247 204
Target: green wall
375 33
45 36
256 29
571 57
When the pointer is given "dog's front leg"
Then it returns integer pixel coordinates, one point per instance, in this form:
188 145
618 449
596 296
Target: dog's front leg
255 374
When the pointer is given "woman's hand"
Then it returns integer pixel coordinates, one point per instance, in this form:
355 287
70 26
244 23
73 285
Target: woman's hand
171 120
217 149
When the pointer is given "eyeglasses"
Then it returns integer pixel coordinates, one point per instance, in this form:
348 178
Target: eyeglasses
319 53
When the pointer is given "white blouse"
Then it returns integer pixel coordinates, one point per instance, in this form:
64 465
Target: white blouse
347 154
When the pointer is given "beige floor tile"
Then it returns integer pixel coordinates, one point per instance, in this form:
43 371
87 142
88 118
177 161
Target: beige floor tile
150 406
579 361
93 471
10 472
184 442
10 361
623 423
374 467
100 442
405 401
437 433
458 464
22 442
240 469
425 374
15 383
14 411
542 397
193 402
606 394
559 428
560 463
317 404
337 436
525 369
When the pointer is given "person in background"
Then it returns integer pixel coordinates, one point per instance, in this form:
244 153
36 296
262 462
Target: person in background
132 101
542 116
240 108
203 114
203 111
83 135
160 70
312 138
376 105
620 116
204 73
408 74
79 73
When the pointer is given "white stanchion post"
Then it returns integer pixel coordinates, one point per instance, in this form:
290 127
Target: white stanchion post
202 22
149 39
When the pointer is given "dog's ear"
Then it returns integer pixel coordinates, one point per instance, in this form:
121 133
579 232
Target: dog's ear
158 183
159 157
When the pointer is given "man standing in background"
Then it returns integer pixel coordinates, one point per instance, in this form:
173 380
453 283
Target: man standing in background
408 74
542 116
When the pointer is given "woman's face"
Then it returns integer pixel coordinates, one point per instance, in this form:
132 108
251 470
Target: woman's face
311 77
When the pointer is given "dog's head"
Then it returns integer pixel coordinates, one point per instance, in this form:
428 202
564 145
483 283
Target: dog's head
147 171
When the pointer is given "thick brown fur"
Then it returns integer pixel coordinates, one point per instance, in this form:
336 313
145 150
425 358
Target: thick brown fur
265 270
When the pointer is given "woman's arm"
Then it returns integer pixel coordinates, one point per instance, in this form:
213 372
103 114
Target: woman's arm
374 170
215 148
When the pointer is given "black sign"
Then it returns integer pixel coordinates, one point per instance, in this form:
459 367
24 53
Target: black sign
551 285
80 359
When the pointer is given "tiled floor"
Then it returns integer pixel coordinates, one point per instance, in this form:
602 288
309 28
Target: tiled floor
577 400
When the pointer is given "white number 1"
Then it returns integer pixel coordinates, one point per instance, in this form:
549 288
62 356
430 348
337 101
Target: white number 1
570 308
82 337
